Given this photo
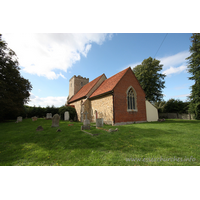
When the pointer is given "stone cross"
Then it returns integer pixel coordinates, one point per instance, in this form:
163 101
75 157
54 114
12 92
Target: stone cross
85 114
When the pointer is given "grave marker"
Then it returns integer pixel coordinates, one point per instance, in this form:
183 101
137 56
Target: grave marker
19 119
66 116
55 120
99 122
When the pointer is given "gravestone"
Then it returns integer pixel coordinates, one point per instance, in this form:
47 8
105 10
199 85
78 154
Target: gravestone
66 116
86 121
113 130
34 118
49 116
55 120
99 122
19 119
39 128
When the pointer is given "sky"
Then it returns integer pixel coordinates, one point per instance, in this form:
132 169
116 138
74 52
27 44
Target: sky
49 60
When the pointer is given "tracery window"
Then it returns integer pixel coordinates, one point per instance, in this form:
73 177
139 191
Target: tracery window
131 99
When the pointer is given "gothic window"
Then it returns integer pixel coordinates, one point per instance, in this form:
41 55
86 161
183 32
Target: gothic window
131 99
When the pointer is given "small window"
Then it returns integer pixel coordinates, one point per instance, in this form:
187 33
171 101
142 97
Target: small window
81 83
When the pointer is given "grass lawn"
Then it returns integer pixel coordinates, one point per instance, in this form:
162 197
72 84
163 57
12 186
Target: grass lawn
155 143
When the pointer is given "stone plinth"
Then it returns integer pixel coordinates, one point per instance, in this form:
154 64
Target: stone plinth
85 127
86 122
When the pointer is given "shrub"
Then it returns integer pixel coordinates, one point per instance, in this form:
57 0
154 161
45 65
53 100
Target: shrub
71 110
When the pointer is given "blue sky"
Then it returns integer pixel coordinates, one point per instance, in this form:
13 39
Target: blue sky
50 60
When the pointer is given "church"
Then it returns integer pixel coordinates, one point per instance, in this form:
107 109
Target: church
118 100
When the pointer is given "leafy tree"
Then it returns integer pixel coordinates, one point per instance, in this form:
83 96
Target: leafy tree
14 89
150 79
194 70
176 106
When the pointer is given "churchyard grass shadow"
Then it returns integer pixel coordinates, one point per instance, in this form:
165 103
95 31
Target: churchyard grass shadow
133 144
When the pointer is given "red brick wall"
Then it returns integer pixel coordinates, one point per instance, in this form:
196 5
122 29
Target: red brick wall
120 103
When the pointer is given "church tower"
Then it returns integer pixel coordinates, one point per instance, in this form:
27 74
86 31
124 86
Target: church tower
75 84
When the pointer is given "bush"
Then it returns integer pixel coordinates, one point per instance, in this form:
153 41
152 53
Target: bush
71 110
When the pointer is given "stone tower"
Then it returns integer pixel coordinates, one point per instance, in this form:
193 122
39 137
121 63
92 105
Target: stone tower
75 84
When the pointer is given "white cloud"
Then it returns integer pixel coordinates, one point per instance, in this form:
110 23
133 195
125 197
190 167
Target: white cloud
46 101
171 64
177 59
184 86
135 64
41 54
173 70
180 96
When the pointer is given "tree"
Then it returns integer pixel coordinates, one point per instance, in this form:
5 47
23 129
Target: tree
150 79
14 89
194 70
176 106
160 105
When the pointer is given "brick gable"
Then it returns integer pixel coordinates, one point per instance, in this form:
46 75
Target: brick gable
120 100
109 84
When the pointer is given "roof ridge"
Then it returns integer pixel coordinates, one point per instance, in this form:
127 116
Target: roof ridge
110 86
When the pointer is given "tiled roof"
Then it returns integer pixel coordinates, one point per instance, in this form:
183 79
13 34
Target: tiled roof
85 89
109 84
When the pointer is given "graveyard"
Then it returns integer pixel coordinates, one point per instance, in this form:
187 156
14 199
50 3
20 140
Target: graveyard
35 142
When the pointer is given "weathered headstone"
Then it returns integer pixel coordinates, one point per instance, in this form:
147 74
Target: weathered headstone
34 118
66 116
113 130
99 122
19 119
49 116
86 121
55 120
39 128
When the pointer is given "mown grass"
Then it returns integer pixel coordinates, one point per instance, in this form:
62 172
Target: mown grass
155 143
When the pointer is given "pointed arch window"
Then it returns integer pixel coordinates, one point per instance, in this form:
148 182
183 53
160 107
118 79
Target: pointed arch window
131 99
